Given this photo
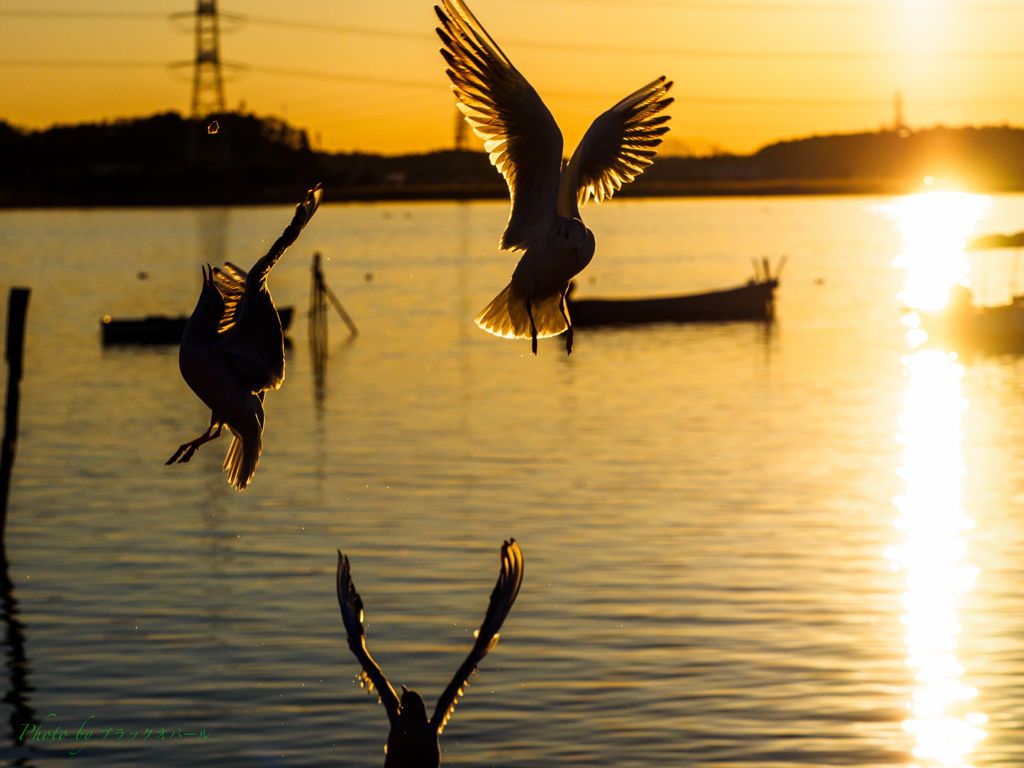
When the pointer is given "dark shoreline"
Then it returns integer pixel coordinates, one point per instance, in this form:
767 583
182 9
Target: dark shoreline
472 192
169 161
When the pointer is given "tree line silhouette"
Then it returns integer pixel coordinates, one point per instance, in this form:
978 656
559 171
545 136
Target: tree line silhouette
167 159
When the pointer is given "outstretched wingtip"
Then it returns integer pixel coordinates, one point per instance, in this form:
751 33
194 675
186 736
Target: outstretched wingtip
352 617
344 584
502 597
511 570
304 211
312 201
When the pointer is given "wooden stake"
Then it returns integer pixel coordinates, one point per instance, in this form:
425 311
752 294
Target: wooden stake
17 307
318 275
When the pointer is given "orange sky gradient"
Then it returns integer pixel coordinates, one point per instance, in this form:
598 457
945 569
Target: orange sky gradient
747 72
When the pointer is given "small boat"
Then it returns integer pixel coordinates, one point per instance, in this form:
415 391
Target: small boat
753 301
988 242
997 328
159 329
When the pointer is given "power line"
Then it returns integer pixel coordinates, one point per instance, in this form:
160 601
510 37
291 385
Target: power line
80 63
826 7
344 29
81 14
341 77
692 53
645 50
439 87
883 6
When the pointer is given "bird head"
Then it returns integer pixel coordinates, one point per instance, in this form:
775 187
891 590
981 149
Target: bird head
574 236
413 709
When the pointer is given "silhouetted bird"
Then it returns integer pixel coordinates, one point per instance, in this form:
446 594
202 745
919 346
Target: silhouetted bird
413 740
232 351
526 146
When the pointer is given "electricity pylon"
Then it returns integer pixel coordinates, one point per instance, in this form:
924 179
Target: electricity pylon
207 77
461 139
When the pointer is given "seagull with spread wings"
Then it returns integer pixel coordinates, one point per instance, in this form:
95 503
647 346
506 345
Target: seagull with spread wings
232 351
413 740
525 145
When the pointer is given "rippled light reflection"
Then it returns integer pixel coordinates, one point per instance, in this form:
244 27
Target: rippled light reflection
934 228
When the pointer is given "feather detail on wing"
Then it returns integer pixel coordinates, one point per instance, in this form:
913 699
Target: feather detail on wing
505 111
230 281
616 148
502 598
352 615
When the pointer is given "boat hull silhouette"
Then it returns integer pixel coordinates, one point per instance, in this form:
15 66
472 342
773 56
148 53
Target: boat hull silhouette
753 301
159 329
998 328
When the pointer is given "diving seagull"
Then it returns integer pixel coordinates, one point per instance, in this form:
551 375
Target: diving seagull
413 740
232 351
525 145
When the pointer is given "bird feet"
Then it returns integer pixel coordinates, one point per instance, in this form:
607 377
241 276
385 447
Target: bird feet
533 326
188 449
565 316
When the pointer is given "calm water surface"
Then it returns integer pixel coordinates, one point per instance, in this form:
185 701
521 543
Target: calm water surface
716 573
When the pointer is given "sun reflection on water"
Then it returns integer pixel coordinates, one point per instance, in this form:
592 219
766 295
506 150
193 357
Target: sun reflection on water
934 229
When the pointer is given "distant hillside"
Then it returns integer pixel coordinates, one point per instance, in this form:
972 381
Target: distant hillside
981 159
169 160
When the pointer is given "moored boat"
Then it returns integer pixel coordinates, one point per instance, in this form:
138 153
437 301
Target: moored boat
997 328
753 301
159 329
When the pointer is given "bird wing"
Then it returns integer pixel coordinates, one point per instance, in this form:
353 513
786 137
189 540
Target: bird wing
502 598
615 149
303 213
254 343
230 281
352 615
505 111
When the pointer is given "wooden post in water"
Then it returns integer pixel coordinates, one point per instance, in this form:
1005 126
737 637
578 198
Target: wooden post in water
318 330
17 306
321 288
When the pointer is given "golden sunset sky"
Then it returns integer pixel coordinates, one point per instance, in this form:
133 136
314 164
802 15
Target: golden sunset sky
367 76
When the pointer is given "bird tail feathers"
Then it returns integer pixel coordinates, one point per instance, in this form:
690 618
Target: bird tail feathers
242 458
507 315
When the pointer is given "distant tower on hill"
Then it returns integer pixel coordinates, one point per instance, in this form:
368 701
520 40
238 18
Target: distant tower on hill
207 78
898 124
460 131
